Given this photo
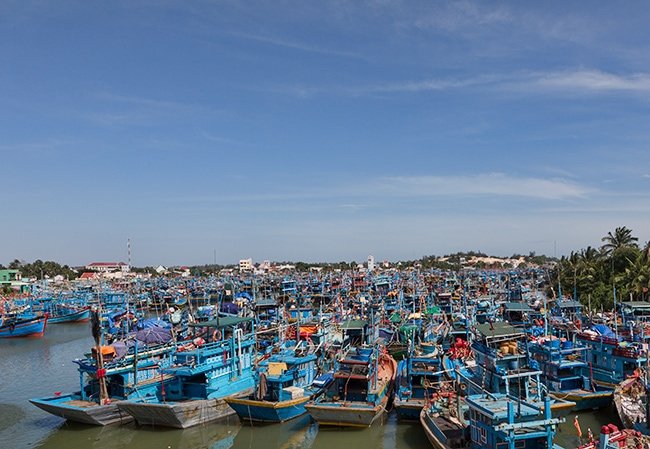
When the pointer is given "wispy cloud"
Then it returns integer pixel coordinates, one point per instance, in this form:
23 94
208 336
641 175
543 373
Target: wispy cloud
462 15
356 196
295 45
119 109
573 81
589 81
493 184
153 103
37 147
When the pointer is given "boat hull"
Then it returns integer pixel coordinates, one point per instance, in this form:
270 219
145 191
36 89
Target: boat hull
442 433
264 411
34 327
585 400
71 408
560 408
76 317
409 409
179 415
345 415
628 399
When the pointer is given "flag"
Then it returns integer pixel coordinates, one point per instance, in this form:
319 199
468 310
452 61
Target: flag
577 426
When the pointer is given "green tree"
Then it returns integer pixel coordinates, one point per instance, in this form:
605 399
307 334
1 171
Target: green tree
621 238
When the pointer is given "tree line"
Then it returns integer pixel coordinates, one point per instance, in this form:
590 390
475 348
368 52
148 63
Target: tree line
619 266
39 269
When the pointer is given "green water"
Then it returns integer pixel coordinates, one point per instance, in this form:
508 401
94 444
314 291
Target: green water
39 367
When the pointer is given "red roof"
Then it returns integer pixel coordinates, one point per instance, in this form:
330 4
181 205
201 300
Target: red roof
106 264
88 276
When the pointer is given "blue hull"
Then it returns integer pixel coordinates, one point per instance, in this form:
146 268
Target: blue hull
34 327
272 412
82 315
408 410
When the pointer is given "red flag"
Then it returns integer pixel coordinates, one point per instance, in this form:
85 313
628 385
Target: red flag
577 426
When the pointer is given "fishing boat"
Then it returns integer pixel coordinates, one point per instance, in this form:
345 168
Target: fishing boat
362 387
611 361
286 382
489 421
567 374
631 401
107 378
22 325
202 377
503 366
418 377
70 315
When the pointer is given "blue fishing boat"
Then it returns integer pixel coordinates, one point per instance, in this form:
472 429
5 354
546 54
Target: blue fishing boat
567 374
503 367
610 361
489 421
110 375
362 387
22 325
69 314
418 377
202 376
285 383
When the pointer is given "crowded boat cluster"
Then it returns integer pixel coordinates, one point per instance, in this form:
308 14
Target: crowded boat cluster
482 359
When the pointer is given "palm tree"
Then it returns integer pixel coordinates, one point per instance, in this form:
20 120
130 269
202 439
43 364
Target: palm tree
621 238
636 278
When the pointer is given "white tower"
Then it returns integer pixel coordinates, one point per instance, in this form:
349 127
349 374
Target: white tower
371 263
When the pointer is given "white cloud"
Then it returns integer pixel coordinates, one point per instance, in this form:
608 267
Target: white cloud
568 81
295 45
590 80
484 184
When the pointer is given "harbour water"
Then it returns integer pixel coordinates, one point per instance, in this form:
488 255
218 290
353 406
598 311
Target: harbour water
42 366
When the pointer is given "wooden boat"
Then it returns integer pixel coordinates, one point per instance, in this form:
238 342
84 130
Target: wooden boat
22 325
135 374
360 392
70 315
630 399
286 382
202 378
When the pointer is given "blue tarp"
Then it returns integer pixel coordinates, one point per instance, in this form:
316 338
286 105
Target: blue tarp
154 322
603 330
244 295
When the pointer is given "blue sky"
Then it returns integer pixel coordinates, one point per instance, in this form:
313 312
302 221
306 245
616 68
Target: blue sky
320 130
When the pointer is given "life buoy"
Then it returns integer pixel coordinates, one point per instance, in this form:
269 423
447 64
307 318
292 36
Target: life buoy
216 335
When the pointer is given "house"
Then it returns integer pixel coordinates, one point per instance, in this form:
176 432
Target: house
108 267
246 265
13 279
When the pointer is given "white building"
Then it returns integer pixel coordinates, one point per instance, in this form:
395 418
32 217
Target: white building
108 267
371 263
246 265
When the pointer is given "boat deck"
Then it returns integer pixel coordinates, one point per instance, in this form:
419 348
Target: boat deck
80 403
